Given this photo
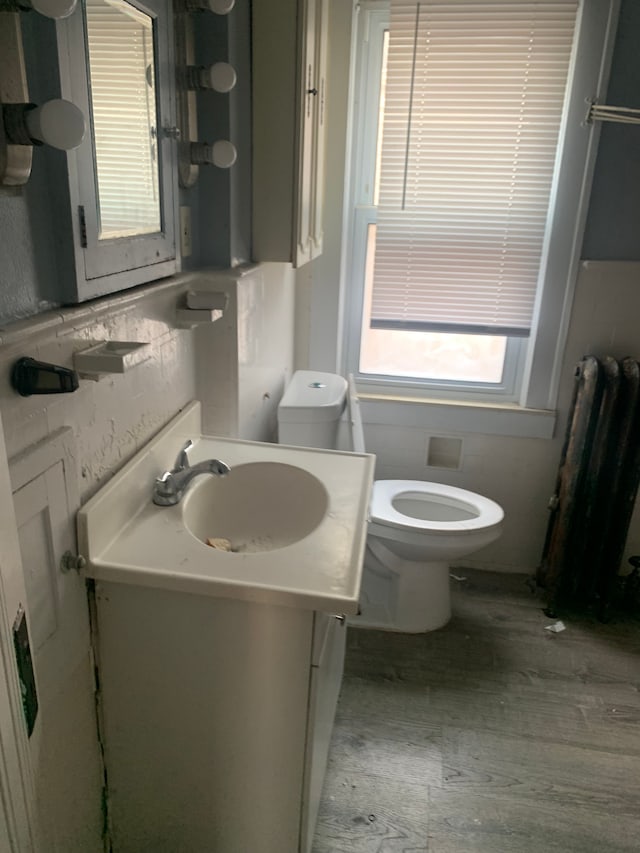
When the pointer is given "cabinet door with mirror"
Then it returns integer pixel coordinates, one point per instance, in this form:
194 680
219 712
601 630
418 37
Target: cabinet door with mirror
116 63
289 44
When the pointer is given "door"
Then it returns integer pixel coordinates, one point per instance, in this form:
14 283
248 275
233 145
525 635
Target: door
327 665
18 828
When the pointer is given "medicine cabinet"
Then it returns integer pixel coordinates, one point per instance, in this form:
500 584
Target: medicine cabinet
116 64
289 44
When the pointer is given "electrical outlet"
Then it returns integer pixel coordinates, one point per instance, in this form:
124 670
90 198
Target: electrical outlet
185 231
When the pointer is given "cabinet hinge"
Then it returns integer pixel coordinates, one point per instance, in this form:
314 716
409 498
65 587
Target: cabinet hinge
83 226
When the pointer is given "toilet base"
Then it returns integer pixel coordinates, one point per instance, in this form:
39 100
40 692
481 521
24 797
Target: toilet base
402 595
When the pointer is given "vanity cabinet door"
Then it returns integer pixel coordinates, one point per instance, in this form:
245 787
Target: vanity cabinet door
326 677
289 102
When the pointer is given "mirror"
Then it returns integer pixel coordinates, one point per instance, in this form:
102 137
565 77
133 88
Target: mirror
120 40
116 61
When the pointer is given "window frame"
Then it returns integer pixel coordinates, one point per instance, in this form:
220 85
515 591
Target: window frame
532 365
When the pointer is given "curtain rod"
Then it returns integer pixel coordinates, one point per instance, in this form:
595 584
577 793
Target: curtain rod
622 115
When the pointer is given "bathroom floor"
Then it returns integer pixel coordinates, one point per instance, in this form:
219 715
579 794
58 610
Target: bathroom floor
492 735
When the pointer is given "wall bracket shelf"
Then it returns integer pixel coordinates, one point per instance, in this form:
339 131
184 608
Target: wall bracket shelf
110 357
200 307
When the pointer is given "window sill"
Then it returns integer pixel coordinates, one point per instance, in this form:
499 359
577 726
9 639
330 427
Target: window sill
505 419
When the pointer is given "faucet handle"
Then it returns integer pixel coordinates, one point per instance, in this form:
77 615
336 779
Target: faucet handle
182 461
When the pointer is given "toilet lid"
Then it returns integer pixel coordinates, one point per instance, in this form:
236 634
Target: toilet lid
438 508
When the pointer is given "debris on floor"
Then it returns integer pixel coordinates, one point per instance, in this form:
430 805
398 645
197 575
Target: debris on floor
556 627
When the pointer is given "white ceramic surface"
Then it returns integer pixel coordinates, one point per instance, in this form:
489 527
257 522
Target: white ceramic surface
127 539
260 506
432 521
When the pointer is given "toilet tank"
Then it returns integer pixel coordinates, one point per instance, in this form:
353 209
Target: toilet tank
310 409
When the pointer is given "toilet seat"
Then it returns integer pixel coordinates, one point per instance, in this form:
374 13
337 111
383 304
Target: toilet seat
432 503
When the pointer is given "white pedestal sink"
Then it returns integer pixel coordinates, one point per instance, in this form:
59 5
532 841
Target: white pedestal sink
220 671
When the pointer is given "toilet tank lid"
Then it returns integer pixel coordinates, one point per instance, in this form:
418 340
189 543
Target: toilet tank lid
312 396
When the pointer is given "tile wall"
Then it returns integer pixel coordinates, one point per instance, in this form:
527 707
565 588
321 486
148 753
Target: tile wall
237 367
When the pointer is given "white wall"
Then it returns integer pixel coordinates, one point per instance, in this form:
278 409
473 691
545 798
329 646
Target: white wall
113 417
245 365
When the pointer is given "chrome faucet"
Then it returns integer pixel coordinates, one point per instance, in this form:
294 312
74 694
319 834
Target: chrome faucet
169 488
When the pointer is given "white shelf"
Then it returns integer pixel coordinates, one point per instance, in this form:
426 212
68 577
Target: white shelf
209 299
186 318
110 357
200 306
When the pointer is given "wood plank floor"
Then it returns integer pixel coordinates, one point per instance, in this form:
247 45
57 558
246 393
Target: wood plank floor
491 735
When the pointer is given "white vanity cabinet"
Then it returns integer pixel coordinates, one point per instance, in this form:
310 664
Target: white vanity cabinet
289 49
217 716
220 670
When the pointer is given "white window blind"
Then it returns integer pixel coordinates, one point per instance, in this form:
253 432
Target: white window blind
474 100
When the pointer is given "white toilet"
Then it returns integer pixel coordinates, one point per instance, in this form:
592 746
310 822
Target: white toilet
417 528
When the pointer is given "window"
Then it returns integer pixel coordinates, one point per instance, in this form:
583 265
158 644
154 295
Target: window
469 175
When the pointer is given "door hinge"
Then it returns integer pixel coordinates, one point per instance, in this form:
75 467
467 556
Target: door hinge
83 226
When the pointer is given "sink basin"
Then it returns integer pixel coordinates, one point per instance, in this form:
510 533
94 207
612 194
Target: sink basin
259 506
295 517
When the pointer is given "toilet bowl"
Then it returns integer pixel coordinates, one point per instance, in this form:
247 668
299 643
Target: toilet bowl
416 528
